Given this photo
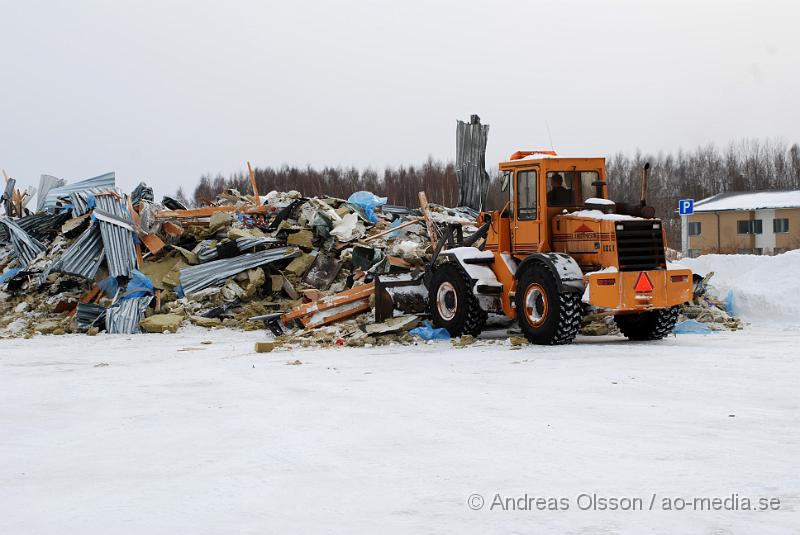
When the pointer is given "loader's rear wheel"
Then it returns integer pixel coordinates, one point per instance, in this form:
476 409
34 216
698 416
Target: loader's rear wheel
652 325
545 315
453 304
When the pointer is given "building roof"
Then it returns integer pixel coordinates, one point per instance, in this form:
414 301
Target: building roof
749 200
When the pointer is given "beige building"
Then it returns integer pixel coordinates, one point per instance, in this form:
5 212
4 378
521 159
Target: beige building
754 222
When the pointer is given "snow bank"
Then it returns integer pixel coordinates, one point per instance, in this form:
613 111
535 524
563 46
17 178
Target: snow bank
765 288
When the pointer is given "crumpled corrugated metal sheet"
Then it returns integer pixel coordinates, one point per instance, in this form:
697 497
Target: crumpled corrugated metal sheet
142 192
84 256
105 181
207 253
196 278
39 226
111 212
25 247
473 180
124 317
46 184
80 200
7 196
90 315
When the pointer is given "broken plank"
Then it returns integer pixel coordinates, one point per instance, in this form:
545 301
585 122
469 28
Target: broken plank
256 198
398 227
153 243
342 298
324 317
426 214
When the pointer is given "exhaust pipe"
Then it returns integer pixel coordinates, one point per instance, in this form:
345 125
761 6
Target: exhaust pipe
641 209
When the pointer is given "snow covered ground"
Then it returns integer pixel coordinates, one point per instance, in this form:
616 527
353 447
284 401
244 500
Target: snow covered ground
163 434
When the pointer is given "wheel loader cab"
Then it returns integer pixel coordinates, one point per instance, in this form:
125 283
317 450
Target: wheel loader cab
540 189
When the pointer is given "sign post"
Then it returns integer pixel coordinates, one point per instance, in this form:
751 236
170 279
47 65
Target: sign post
685 209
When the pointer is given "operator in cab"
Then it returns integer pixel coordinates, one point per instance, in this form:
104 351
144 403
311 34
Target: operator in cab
558 194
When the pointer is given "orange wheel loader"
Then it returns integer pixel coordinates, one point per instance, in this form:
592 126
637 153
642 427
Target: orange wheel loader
557 247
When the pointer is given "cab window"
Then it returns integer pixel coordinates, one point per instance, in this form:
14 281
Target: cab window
526 195
570 188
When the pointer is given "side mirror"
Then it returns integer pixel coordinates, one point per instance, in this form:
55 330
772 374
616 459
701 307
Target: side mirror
504 181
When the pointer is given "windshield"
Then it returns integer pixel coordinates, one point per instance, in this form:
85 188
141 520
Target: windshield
570 188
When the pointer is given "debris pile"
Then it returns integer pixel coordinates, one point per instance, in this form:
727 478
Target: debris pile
707 312
320 270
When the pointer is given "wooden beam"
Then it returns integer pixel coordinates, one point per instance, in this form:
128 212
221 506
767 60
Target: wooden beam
171 228
153 243
390 230
426 213
256 198
346 312
342 298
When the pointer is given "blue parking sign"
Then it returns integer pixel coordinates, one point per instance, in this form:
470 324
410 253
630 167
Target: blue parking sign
686 206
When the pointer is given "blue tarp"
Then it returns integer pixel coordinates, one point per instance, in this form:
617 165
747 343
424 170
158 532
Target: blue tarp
367 201
729 303
8 275
396 223
426 331
138 286
691 327
109 285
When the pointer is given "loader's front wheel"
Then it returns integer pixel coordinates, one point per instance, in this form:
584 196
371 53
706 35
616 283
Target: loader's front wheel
652 325
545 315
453 304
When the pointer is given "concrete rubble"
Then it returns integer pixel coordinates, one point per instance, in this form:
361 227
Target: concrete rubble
94 259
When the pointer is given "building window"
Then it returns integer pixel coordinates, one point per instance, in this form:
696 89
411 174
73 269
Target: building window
693 253
743 227
749 226
780 226
758 251
694 228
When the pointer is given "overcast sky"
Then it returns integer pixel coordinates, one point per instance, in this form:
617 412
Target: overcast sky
165 91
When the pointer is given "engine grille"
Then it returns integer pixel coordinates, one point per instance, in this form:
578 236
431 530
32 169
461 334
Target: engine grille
640 245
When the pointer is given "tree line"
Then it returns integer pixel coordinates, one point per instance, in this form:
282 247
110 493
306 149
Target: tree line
400 185
744 165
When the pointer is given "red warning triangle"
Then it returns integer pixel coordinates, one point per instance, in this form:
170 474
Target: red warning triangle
583 228
643 283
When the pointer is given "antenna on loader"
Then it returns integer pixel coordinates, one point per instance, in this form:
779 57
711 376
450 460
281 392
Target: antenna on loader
552 147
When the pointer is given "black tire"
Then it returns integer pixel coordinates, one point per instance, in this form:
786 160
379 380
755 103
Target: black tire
551 317
453 304
652 325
